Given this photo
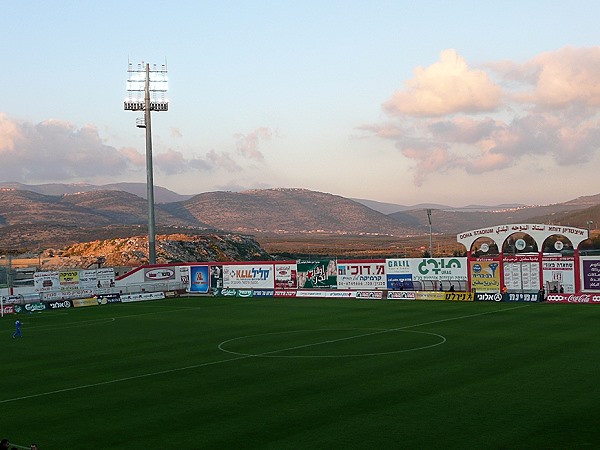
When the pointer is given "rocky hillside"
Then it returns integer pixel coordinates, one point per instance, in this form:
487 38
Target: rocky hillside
133 251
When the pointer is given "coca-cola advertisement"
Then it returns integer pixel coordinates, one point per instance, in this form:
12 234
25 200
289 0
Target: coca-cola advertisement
573 298
7 309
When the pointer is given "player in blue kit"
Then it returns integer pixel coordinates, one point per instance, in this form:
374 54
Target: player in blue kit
17 332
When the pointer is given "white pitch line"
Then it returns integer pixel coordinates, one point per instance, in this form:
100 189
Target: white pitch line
331 341
272 354
119 380
196 366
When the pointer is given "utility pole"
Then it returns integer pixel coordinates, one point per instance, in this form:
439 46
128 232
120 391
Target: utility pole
430 234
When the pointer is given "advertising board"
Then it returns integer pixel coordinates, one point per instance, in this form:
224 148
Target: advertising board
369 295
7 309
401 295
326 294
445 296
142 296
199 280
590 268
560 272
288 293
361 275
286 276
521 272
521 297
439 269
82 302
263 293
488 297
248 276
317 273
574 298
485 276
46 281
159 273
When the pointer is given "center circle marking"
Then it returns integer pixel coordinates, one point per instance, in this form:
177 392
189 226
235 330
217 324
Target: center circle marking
366 334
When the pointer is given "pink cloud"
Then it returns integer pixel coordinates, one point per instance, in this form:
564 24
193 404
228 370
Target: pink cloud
557 79
385 131
58 150
430 158
176 133
550 111
133 156
9 134
248 144
446 87
222 161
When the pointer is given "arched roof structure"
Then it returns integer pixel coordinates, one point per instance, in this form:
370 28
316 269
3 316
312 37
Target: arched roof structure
538 232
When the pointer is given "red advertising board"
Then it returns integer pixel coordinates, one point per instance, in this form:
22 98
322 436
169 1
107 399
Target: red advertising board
285 293
8 309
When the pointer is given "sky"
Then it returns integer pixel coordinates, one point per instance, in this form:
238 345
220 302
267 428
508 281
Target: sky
449 102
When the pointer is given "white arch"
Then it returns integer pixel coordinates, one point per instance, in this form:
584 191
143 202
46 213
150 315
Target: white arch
538 232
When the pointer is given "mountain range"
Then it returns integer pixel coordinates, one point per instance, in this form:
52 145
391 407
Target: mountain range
33 216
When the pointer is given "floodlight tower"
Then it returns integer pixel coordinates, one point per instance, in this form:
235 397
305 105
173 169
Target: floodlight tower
146 89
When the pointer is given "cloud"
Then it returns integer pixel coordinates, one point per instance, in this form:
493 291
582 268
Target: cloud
556 79
446 87
248 144
56 150
550 110
176 133
173 162
222 160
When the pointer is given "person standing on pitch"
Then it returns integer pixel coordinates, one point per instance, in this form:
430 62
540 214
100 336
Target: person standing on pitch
17 332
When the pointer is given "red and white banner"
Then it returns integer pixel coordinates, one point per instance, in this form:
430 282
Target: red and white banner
573 298
8 309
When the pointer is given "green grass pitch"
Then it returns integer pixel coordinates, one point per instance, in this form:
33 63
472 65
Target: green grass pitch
224 373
